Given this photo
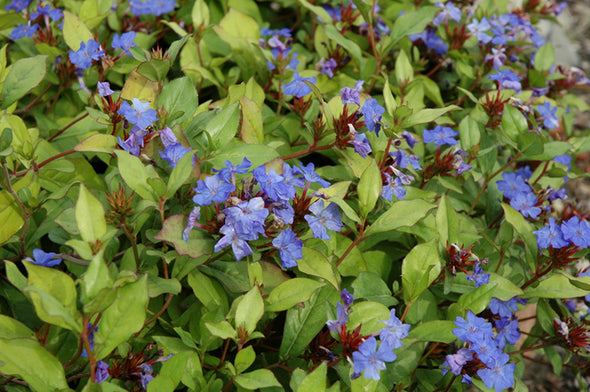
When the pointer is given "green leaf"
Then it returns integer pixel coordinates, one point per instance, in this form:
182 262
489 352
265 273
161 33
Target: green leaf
123 318
404 73
23 356
261 378
14 275
244 359
478 299
315 381
368 314
434 331
258 154
289 293
134 174
180 173
447 223
98 142
469 133
223 127
199 243
222 330
351 47
252 131
250 310
390 103
504 288
208 291
93 12
413 22
425 116
302 324
419 269
525 230
10 215
514 122
544 58
369 187
371 287
316 264
75 31
24 75
54 296
95 279
179 95
154 70
90 216
158 286
200 14
401 213
318 11
558 285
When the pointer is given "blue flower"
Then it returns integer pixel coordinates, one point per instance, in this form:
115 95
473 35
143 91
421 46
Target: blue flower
140 114
507 79
402 159
45 259
449 11
310 175
456 361
155 7
193 216
88 51
23 30
168 137
229 171
273 184
90 339
394 331
54 13
125 42
289 247
327 67
431 40
352 95
102 372
564 159
247 218
499 374
512 184
480 28
104 89
472 329
550 235
346 297
440 136
507 332
18 5
525 203
410 139
486 348
173 153
239 246
478 276
212 189
329 217
134 141
341 318
298 87
146 375
361 144
576 231
372 111
393 186
550 121
370 360
265 31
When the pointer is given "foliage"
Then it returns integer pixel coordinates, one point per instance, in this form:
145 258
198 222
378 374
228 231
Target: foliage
292 195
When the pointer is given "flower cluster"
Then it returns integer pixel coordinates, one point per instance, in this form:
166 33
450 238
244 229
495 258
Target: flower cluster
571 232
278 41
141 116
44 14
366 356
517 189
268 205
483 353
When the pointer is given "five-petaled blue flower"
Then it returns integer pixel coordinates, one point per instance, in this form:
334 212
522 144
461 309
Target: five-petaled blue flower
298 87
289 247
46 259
372 111
550 121
440 136
124 42
140 114
329 217
394 331
370 360
88 51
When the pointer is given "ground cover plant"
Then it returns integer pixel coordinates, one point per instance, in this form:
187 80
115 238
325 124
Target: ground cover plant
231 195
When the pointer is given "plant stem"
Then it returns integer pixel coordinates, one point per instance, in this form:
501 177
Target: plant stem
25 211
308 150
67 126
